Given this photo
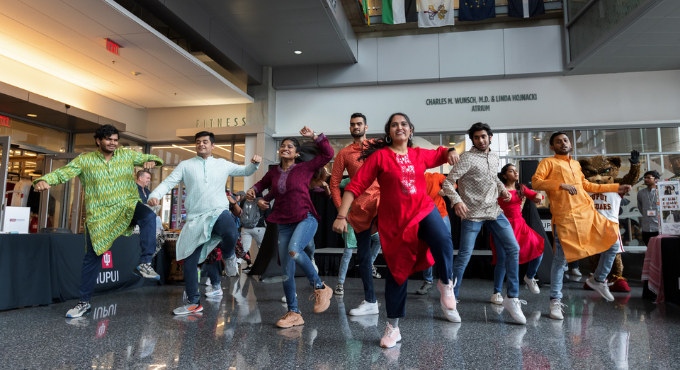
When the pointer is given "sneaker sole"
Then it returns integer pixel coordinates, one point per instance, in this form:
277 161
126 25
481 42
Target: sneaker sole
199 309
395 343
364 313
87 312
290 325
141 274
454 320
601 294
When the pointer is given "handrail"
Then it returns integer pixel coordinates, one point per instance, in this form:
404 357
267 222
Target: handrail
580 12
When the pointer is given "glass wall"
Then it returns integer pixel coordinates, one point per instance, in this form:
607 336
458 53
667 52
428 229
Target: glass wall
31 134
659 149
84 142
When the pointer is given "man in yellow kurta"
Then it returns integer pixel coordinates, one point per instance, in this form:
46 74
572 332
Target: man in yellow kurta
112 206
578 229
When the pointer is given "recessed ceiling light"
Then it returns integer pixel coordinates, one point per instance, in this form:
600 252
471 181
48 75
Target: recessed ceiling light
134 73
452 143
298 52
32 115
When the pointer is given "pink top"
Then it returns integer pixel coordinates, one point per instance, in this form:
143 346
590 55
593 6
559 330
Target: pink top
513 208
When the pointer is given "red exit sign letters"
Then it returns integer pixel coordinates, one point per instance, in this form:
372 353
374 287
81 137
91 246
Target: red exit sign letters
5 121
112 47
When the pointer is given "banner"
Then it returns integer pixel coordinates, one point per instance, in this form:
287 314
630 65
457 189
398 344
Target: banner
669 207
435 13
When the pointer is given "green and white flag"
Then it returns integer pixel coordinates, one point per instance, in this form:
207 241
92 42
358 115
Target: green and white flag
394 11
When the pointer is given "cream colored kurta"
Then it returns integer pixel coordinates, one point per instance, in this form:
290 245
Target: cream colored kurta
582 231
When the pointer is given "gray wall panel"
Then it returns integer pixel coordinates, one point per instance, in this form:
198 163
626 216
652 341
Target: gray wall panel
221 39
533 50
295 77
408 59
365 72
471 54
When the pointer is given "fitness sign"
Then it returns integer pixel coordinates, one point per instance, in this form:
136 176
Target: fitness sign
481 103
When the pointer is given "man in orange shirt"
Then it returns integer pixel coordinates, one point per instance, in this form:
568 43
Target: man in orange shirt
434 190
362 212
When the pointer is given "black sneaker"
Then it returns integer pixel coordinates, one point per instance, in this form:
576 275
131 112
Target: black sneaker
80 309
146 271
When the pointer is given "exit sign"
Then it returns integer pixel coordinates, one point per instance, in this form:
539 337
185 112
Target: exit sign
5 121
112 47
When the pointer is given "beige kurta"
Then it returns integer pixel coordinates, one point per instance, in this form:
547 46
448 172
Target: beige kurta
582 231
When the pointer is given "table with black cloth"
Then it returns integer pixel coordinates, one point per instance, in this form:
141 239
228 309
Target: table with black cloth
40 269
661 270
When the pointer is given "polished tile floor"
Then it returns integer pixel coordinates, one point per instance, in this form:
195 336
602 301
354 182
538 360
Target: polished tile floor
136 330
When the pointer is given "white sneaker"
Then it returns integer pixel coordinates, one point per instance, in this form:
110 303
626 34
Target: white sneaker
213 291
575 272
532 284
207 282
284 298
365 308
79 310
496 298
601 288
451 315
514 307
231 266
556 310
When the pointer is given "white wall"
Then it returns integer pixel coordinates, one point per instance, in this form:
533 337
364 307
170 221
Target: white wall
162 123
573 101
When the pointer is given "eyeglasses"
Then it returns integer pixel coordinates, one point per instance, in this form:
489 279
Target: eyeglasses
650 178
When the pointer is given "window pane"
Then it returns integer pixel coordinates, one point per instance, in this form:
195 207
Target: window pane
456 141
50 139
525 143
668 165
670 139
643 140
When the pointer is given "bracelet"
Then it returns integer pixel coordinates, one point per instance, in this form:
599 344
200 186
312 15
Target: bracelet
341 217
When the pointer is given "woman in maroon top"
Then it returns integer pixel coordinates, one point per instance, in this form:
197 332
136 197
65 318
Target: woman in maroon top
530 243
409 224
293 210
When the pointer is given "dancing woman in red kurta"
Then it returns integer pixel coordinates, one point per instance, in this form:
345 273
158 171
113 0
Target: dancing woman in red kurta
408 221
530 243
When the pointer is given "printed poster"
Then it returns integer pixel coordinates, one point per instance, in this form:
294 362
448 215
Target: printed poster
669 206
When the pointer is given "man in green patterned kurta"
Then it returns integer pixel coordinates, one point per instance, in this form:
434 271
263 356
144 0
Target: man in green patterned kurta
112 206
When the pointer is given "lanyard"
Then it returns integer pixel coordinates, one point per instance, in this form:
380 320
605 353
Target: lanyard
652 198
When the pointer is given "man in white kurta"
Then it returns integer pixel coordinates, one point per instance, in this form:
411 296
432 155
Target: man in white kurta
209 221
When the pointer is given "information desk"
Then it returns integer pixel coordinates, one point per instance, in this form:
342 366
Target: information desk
661 269
40 269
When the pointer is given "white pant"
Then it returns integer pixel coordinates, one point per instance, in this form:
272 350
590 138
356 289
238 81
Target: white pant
247 236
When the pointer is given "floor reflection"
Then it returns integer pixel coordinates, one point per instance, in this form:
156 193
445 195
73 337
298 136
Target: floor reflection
136 329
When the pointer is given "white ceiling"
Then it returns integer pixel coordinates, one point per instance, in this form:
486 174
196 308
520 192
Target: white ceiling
66 38
649 43
271 30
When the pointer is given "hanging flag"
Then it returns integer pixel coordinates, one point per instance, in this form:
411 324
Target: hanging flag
476 10
364 7
435 13
525 8
394 11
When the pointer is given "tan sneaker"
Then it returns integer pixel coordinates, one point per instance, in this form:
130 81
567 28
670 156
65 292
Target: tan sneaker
322 298
290 319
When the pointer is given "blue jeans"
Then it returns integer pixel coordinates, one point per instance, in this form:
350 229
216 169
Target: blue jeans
559 261
225 227
146 219
499 271
503 236
427 273
347 255
293 238
433 232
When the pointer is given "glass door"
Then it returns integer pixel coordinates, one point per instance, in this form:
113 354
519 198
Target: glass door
4 158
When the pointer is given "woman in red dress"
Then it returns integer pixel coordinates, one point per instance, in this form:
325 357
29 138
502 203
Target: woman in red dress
530 243
409 224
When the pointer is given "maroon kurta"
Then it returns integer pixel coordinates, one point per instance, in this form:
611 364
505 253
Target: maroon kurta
404 202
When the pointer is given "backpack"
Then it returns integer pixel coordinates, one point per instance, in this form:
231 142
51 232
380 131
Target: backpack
250 214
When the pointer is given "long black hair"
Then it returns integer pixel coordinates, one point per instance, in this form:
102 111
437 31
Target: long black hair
378 144
518 185
307 151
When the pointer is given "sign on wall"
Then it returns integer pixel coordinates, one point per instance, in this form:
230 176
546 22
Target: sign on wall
219 122
669 206
481 103
5 121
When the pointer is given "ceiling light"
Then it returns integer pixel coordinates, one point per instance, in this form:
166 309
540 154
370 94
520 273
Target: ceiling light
298 52
135 73
179 147
452 143
32 115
